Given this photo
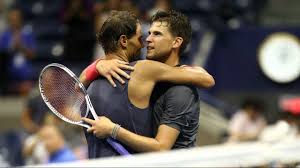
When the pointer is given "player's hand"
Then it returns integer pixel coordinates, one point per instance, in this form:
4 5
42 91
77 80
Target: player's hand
101 128
207 80
113 69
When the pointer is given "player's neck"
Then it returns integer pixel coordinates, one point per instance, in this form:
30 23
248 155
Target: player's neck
118 56
172 60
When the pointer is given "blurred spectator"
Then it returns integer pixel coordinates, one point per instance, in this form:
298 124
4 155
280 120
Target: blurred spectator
34 151
4 6
98 50
17 44
160 5
50 144
2 17
3 61
129 6
287 128
55 145
10 148
284 130
99 6
35 116
35 112
113 5
47 146
79 39
247 123
74 138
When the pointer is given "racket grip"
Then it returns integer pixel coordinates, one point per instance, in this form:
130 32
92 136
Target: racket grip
118 147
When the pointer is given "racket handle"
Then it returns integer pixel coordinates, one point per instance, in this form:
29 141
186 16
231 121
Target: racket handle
118 147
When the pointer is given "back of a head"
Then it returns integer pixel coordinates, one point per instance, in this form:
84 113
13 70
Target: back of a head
253 103
178 24
117 24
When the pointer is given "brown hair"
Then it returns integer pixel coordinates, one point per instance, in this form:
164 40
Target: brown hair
178 24
119 23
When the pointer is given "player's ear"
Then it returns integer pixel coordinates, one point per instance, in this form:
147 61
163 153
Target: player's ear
123 41
177 42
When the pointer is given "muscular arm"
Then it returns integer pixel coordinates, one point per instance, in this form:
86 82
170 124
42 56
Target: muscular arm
164 140
82 78
156 71
153 70
106 68
168 130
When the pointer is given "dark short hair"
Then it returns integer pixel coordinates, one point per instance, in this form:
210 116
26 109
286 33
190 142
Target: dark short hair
253 103
179 25
118 23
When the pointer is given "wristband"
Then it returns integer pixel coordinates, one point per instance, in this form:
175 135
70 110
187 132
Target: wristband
91 71
115 131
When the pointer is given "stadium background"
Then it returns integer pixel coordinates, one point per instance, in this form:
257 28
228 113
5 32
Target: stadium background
227 35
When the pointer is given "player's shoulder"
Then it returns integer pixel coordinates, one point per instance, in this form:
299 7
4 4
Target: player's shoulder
149 63
148 68
183 90
96 84
181 95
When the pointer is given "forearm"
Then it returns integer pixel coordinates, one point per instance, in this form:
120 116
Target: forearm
198 78
139 143
104 127
89 74
180 75
205 80
86 83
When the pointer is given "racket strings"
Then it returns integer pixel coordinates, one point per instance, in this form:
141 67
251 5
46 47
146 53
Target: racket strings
63 93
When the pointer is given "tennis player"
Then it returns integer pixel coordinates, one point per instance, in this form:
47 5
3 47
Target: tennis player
175 108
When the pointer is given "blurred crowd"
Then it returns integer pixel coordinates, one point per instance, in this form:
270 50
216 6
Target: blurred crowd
250 124
37 32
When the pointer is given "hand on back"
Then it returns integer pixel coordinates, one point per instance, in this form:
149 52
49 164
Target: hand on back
114 68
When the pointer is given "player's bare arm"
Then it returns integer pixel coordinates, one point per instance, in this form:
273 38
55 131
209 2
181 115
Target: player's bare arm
164 139
153 70
107 68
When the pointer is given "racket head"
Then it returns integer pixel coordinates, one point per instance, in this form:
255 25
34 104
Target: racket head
63 93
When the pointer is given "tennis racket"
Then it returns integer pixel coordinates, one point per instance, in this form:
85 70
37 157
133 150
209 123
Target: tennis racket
67 98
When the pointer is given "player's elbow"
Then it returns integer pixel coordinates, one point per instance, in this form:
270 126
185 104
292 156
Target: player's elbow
209 82
159 147
162 147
